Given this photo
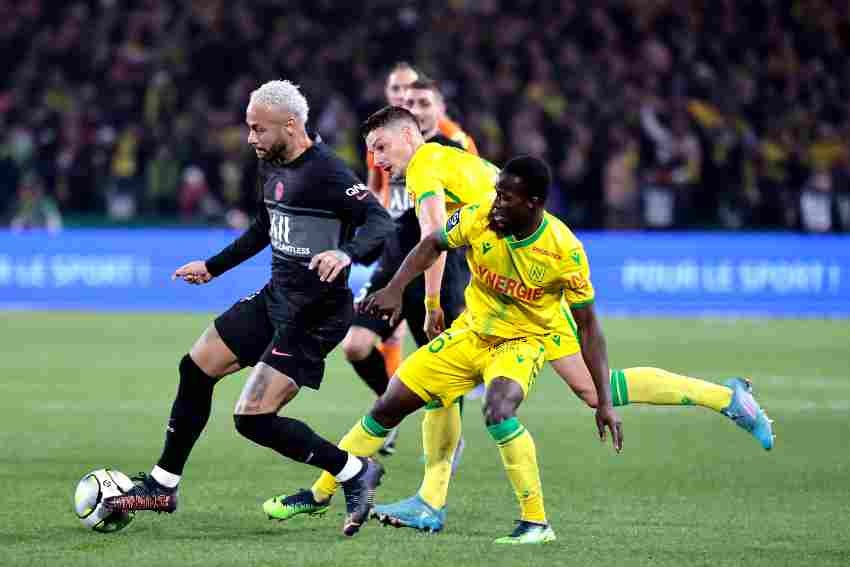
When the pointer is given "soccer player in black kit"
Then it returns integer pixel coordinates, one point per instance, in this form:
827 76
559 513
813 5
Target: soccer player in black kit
311 206
424 101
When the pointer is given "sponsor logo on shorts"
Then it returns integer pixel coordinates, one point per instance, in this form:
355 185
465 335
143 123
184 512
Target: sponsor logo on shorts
508 344
279 353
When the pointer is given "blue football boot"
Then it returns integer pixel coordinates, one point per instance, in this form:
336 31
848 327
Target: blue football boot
411 513
746 412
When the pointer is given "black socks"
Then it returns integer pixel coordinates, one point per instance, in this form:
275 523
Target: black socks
373 371
292 438
189 415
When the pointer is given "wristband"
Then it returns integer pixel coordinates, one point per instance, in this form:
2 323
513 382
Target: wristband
432 302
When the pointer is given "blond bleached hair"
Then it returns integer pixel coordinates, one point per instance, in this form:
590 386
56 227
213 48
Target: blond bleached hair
283 94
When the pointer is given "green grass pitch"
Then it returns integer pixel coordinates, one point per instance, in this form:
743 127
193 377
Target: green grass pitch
82 391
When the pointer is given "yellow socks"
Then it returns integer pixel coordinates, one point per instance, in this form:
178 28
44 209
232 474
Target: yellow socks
519 456
440 435
656 386
363 440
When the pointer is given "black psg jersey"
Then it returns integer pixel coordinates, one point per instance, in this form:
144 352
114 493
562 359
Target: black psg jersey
309 205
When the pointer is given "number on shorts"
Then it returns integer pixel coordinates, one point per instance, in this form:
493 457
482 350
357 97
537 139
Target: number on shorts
439 342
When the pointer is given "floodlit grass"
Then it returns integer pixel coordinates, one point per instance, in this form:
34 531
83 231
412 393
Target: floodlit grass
82 391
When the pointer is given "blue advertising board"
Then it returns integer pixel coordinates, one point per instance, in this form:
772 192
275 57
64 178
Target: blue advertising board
770 274
674 274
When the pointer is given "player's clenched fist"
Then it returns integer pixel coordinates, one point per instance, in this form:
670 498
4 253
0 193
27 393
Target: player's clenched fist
195 273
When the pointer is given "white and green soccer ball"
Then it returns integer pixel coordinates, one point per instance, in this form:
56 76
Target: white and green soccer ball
91 491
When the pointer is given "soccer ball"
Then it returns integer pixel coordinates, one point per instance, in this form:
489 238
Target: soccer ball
88 500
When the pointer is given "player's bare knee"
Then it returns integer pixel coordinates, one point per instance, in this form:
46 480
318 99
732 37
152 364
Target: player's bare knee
501 400
212 356
356 351
498 410
357 344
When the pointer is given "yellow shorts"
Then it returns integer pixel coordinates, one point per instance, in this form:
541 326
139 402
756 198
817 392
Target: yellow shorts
459 359
563 340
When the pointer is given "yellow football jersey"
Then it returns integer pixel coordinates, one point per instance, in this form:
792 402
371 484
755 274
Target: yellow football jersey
461 177
517 285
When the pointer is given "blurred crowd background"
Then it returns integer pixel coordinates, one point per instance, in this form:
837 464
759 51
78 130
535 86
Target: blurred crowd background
653 114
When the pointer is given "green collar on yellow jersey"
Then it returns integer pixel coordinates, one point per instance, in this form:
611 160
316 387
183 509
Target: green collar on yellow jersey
530 239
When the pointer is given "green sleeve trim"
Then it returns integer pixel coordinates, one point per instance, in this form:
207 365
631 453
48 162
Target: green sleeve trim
452 196
372 427
530 239
581 304
434 404
572 323
426 195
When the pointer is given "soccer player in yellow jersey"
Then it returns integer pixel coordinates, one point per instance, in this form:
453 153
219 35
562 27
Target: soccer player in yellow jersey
407 87
444 180
513 305
371 345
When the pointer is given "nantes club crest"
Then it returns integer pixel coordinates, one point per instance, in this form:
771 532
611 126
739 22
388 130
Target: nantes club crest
278 191
536 272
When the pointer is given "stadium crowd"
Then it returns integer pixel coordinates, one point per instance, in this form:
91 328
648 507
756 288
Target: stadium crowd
653 113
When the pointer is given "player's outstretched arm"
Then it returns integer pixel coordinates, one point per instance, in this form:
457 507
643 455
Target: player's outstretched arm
595 353
195 273
387 301
249 243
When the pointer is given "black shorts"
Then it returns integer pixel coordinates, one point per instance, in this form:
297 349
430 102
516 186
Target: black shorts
290 330
455 280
